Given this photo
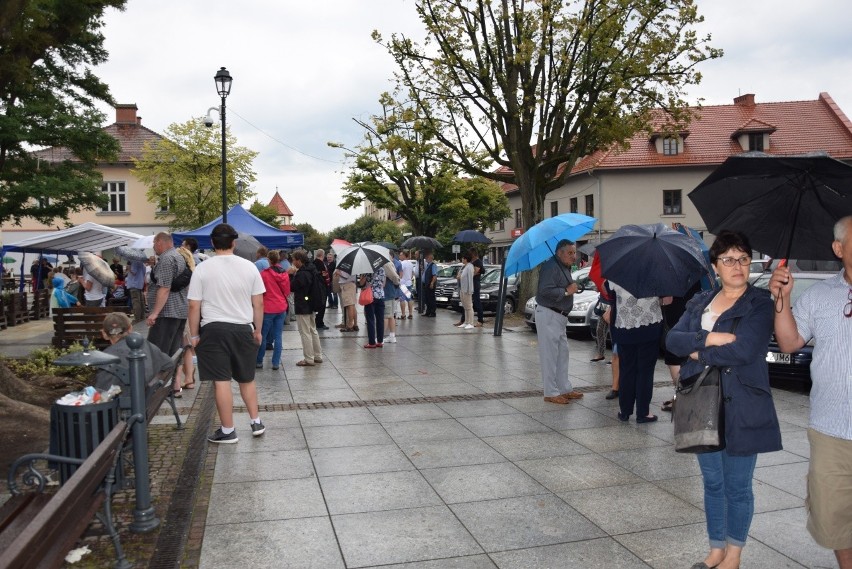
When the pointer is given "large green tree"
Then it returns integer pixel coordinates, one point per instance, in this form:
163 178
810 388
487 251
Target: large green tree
399 166
538 84
314 239
48 98
185 168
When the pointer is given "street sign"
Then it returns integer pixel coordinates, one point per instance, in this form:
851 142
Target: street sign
456 248
517 232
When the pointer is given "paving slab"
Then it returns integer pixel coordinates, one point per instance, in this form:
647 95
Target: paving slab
535 445
265 500
399 536
377 492
529 521
359 460
456 452
602 553
481 482
566 473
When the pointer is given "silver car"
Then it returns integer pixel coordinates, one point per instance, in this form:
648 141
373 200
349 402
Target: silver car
578 318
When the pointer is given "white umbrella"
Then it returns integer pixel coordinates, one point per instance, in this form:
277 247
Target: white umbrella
362 258
146 242
340 245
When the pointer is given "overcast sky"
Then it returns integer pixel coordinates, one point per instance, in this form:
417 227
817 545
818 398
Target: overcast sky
303 70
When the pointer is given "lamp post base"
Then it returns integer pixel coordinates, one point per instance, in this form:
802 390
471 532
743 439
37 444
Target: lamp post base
144 521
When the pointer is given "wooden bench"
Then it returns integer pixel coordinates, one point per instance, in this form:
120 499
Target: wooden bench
41 305
78 322
38 529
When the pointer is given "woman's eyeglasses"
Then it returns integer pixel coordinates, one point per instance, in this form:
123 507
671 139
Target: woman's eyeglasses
847 310
731 261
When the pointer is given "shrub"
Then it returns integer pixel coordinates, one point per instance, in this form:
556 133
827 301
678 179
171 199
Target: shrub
40 362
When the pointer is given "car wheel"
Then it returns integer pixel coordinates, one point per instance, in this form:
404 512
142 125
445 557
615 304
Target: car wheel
532 327
509 306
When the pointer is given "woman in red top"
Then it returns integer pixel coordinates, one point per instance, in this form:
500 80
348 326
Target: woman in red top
277 284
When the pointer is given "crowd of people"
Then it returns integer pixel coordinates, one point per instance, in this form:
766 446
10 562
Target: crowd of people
232 311
729 326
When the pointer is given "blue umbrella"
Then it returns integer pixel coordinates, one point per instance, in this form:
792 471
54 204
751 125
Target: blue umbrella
538 244
652 260
470 236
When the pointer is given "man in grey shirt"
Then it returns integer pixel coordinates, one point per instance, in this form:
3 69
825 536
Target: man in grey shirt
555 297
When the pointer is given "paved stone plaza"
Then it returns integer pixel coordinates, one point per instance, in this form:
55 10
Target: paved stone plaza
439 452
431 480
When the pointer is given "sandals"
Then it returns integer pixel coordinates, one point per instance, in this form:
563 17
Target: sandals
597 359
190 385
177 394
304 363
667 406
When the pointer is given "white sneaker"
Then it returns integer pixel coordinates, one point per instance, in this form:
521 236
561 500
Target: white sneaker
390 340
468 326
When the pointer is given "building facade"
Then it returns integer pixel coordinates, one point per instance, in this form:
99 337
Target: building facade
649 181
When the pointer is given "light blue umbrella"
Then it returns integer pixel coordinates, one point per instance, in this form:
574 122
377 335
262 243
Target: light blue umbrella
538 243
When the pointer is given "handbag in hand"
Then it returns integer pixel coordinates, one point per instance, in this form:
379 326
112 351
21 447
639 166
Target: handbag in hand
698 412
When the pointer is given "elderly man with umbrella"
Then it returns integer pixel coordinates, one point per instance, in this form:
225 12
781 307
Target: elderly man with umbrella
555 299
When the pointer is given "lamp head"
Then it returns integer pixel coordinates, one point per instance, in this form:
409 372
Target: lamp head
223 82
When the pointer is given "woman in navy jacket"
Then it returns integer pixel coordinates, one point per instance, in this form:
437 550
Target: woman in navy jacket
751 425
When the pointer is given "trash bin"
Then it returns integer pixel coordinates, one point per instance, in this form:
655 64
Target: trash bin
77 430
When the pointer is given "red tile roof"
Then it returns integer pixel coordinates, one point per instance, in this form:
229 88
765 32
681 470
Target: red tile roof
277 202
131 139
802 126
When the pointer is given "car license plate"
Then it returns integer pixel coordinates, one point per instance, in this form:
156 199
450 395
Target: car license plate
778 358
442 299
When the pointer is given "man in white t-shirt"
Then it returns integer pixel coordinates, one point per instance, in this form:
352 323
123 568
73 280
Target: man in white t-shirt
225 322
405 279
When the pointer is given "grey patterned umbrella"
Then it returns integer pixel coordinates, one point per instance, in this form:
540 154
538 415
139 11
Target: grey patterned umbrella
247 246
362 258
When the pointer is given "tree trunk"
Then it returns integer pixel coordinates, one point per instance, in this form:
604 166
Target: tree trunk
532 211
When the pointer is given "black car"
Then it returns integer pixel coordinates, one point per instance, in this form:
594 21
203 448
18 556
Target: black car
795 366
489 292
448 283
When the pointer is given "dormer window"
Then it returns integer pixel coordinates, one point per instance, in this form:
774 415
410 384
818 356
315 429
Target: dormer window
754 135
755 141
669 143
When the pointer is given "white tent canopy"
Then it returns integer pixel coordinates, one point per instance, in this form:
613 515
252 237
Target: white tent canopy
84 237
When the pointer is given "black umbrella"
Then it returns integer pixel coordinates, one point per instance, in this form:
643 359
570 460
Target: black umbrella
786 205
421 242
470 236
389 246
652 260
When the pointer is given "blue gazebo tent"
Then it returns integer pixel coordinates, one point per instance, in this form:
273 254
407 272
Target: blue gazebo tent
245 222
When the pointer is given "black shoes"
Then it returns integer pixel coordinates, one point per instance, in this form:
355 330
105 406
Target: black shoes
613 394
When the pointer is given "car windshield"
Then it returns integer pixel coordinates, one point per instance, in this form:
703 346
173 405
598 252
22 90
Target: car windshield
493 277
448 271
800 285
581 277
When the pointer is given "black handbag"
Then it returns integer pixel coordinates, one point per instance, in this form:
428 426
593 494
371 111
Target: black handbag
698 412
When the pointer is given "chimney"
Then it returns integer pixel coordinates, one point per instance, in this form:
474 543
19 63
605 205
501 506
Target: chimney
126 114
139 121
746 100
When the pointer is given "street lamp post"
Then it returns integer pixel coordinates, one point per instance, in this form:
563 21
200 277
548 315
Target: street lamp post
240 187
223 87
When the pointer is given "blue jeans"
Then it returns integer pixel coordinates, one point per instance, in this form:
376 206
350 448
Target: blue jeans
728 498
273 325
375 314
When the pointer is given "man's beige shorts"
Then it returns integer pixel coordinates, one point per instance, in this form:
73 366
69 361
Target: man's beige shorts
830 491
347 294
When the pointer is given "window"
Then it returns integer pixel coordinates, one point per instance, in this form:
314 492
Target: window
672 202
43 202
572 205
116 195
554 209
502 225
519 221
590 205
670 146
166 203
755 141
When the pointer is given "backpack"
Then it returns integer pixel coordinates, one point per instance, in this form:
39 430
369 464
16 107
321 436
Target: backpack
318 295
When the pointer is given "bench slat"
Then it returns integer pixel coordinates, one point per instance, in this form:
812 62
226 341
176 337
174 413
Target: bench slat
59 524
